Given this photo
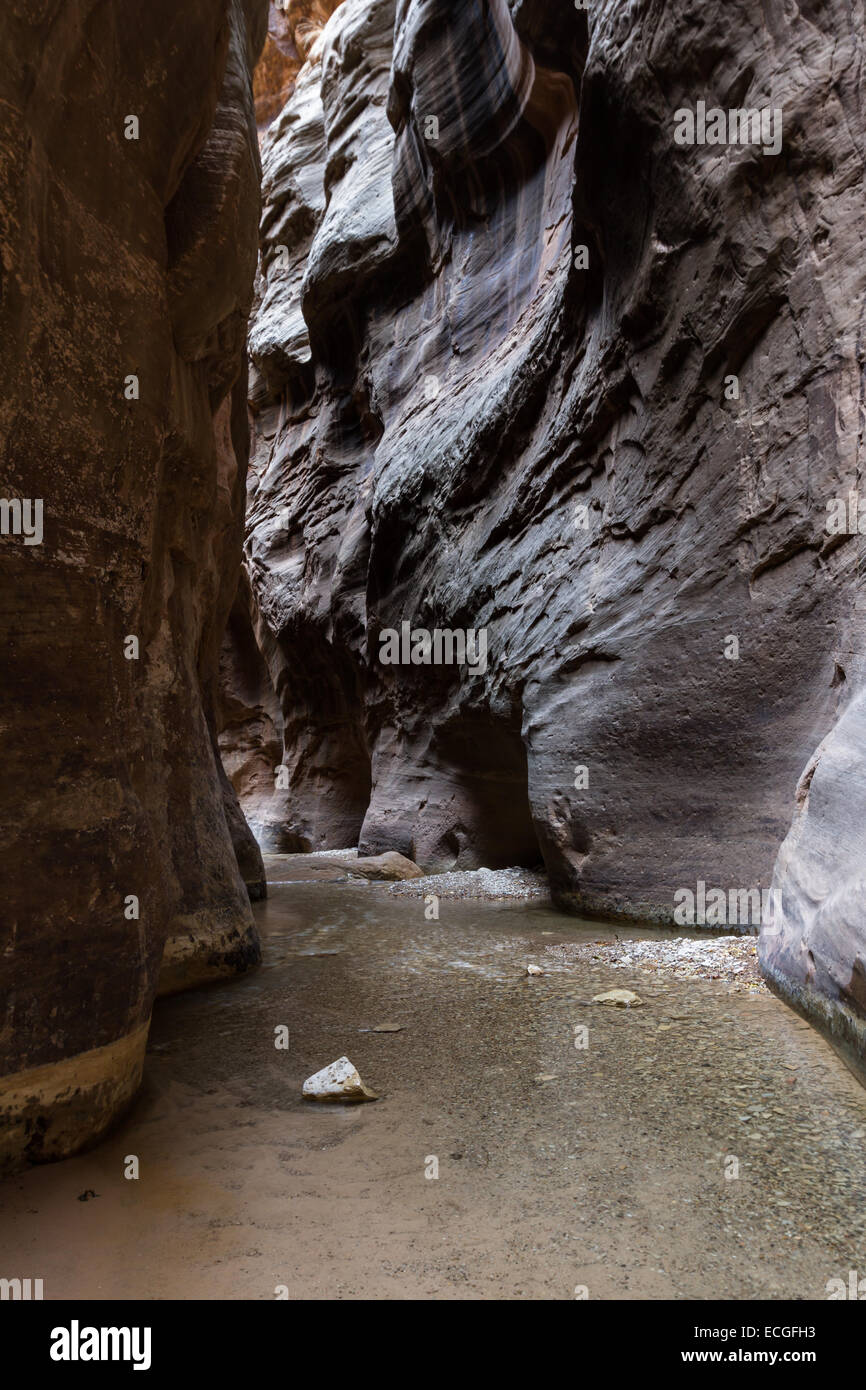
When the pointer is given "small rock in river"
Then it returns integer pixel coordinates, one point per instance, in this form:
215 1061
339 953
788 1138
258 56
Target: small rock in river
389 865
388 1028
534 970
620 998
339 1081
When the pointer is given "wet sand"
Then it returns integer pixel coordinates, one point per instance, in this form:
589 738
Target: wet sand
610 1175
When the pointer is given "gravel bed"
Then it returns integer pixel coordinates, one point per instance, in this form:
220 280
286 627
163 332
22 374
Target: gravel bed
732 959
330 854
476 883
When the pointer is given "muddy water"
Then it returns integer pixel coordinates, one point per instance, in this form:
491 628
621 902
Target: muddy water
614 1173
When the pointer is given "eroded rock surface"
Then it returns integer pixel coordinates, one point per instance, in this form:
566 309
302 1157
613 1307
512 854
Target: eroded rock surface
522 364
129 199
813 950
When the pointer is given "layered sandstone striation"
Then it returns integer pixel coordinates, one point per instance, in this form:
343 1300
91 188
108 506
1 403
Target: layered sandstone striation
129 202
523 363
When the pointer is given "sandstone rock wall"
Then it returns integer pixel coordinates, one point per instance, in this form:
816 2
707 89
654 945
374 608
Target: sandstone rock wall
293 27
128 252
498 320
812 949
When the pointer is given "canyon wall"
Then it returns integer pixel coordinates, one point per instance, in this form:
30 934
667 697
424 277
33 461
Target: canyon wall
812 948
129 204
524 361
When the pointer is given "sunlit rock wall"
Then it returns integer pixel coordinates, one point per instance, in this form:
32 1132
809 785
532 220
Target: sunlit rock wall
293 27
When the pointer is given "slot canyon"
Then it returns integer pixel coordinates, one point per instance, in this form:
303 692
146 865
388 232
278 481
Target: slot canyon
430 598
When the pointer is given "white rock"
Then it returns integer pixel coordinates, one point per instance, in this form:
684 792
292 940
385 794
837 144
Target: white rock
339 1081
620 998
534 970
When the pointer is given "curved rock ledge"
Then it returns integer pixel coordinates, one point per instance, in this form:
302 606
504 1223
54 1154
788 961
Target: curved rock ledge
199 950
49 1112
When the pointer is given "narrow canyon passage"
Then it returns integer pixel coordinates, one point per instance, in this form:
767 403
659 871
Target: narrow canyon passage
435 428
610 1174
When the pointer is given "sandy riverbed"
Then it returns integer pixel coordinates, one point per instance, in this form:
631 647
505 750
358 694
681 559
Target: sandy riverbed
611 1174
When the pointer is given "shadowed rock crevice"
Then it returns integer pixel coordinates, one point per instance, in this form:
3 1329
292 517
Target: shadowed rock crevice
328 762
467 794
300 786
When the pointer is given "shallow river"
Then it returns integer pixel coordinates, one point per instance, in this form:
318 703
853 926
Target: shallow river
706 1145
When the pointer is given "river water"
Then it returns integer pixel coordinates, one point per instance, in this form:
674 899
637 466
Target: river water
706 1145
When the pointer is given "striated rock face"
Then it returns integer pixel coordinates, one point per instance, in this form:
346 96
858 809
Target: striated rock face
524 364
128 252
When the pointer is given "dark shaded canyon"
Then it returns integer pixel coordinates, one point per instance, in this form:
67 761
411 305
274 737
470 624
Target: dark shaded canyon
129 203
